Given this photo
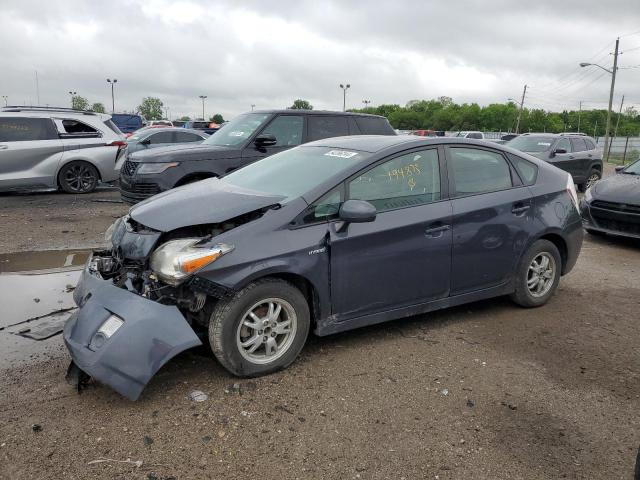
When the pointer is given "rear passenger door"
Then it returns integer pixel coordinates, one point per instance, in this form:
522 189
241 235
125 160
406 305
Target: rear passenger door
30 150
160 139
581 160
492 211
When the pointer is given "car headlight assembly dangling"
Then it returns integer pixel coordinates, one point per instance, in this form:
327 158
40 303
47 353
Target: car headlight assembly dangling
177 260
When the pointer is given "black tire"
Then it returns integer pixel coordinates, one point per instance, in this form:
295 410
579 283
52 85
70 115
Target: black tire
594 176
225 328
595 233
523 295
78 177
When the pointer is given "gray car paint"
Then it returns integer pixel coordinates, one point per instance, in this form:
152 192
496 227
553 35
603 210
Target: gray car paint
352 275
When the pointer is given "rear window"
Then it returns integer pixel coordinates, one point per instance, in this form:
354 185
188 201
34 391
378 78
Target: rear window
326 126
16 129
531 144
74 126
128 120
590 144
113 127
200 125
374 126
578 145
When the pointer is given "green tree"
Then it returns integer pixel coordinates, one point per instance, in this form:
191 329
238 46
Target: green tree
185 118
217 118
151 108
300 104
98 108
79 103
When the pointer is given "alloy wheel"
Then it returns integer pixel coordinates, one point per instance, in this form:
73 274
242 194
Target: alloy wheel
592 179
266 330
79 178
541 274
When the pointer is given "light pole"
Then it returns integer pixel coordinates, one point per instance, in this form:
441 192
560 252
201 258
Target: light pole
113 103
253 105
344 95
6 100
203 97
72 94
366 103
613 84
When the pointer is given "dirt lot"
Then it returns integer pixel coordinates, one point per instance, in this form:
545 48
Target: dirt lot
487 390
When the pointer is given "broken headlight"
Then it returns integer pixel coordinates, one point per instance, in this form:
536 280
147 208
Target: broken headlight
146 168
178 259
109 233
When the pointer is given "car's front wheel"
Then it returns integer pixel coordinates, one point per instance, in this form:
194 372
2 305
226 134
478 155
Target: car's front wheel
538 275
261 329
78 177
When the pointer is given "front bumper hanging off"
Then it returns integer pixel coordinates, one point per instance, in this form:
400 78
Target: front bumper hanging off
150 336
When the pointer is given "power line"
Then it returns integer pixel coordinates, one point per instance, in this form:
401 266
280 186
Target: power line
629 34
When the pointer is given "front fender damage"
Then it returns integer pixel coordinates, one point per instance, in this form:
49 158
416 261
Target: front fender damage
150 335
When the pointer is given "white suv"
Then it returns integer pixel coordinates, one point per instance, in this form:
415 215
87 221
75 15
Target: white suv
57 148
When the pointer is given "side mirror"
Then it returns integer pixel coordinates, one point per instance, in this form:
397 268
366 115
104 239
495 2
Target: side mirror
145 142
559 151
265 140
619 168
357 211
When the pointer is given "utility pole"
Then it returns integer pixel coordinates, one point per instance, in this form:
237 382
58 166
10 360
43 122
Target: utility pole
253 105
579 112
72 94
595 128
613 84
524 92
6 100
344 96
203 97
113 103
37 89
615 132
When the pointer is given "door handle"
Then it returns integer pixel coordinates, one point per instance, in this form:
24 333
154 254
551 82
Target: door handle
570 157
435 232
4 147
519 208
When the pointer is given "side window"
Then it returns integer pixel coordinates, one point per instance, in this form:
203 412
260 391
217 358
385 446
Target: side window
476 135
578 145
161 137
74 126
17 129
321 126
326 208
374 126
186 137
563 144
590 144
406 181
528 171
478 171
287 129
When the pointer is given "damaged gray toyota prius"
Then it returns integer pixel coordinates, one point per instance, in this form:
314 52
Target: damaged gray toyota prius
333 235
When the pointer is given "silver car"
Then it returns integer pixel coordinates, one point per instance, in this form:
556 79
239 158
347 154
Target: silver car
57 148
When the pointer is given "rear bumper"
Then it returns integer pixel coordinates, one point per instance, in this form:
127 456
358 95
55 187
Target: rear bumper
150 336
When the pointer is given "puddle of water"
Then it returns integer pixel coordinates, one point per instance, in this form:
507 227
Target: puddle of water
43 261
35 284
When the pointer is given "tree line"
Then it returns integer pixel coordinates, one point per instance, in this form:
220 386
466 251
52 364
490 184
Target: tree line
443 114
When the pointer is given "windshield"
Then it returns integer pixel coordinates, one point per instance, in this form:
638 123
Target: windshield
238 130
531 144
461 134
633 169
294 172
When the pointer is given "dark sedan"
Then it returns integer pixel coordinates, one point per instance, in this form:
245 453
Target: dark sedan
337 234
612 205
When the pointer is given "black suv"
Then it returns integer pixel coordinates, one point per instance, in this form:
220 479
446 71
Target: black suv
245 139
575 153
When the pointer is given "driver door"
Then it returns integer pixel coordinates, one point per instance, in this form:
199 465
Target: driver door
288 130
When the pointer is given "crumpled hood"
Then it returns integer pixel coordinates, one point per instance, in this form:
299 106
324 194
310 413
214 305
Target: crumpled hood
620 188
199 203
184 152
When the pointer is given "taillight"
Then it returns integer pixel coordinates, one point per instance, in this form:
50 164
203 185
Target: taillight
571 190
117 143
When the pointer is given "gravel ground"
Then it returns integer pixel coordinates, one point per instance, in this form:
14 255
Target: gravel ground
486 390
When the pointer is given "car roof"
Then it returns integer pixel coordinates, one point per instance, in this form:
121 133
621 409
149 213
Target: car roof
151 131
376 143
317 112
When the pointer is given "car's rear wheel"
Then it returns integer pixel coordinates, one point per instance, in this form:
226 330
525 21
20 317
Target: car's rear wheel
538 275
261 329
78 177
594 176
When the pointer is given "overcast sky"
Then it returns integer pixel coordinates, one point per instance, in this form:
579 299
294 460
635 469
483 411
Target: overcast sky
270 52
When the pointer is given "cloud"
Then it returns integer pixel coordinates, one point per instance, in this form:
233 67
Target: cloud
271 52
